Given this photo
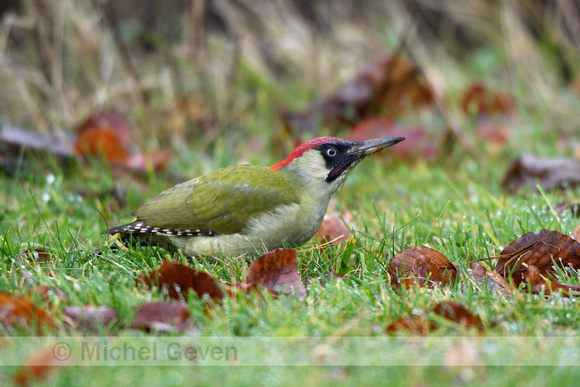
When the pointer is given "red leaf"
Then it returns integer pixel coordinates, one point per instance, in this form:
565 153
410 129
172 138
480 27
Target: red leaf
456 312
41 253
332 229
177 279
492 133
18 311
107 134
38 367
543 250
528 171
111 120
162 317
48 294
482 101
91 317
423 262
392 85
97 141
491 280
157 159
277 270
416 324
538 282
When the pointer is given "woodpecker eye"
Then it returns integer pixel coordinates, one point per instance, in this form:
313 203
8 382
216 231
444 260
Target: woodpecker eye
331 152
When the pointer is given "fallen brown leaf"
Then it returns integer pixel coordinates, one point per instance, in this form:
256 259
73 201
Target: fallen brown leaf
233 288
102 141
176 279
572 209
39 252
17 311
14 140
158 161
332 230
38 368
456 312
162 317
528 171
423 262
48 294
542 249
417 324
494 282
478 99
494 134
117 122
91 317
576 233
538 282
277 270
391 86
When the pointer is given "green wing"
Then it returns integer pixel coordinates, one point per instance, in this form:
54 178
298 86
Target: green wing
237 193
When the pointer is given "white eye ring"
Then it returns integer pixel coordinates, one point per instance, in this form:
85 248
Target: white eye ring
331 152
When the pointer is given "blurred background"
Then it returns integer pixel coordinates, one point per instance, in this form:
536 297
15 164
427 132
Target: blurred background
261 75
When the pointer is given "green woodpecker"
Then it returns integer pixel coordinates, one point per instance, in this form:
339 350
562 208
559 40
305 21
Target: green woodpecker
246 208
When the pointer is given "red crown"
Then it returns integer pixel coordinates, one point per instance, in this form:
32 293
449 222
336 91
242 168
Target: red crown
299 151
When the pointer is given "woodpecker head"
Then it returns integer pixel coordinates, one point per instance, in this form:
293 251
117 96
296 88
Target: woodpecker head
330 159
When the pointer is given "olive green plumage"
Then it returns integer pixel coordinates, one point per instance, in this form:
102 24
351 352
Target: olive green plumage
218 201
248 209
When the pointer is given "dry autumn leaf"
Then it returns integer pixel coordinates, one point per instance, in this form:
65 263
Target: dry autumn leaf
538 282
423 263
572 209
392 85
14 140
528 171
157 160
277 270
91 317
102 141
39 253
162 317
38 367
176 279
17 311
233 288
543 250
48 294
494 282
117 122
416 324
479 100
576 233
492 133
422 325
332 230
456 312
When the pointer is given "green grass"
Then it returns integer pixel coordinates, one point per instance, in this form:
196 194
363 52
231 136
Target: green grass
395 205
454 204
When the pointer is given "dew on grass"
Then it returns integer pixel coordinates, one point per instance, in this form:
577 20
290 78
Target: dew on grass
417 311
45 197
50 179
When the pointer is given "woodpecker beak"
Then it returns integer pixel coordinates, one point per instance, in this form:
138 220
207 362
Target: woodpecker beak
358 151
365 148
